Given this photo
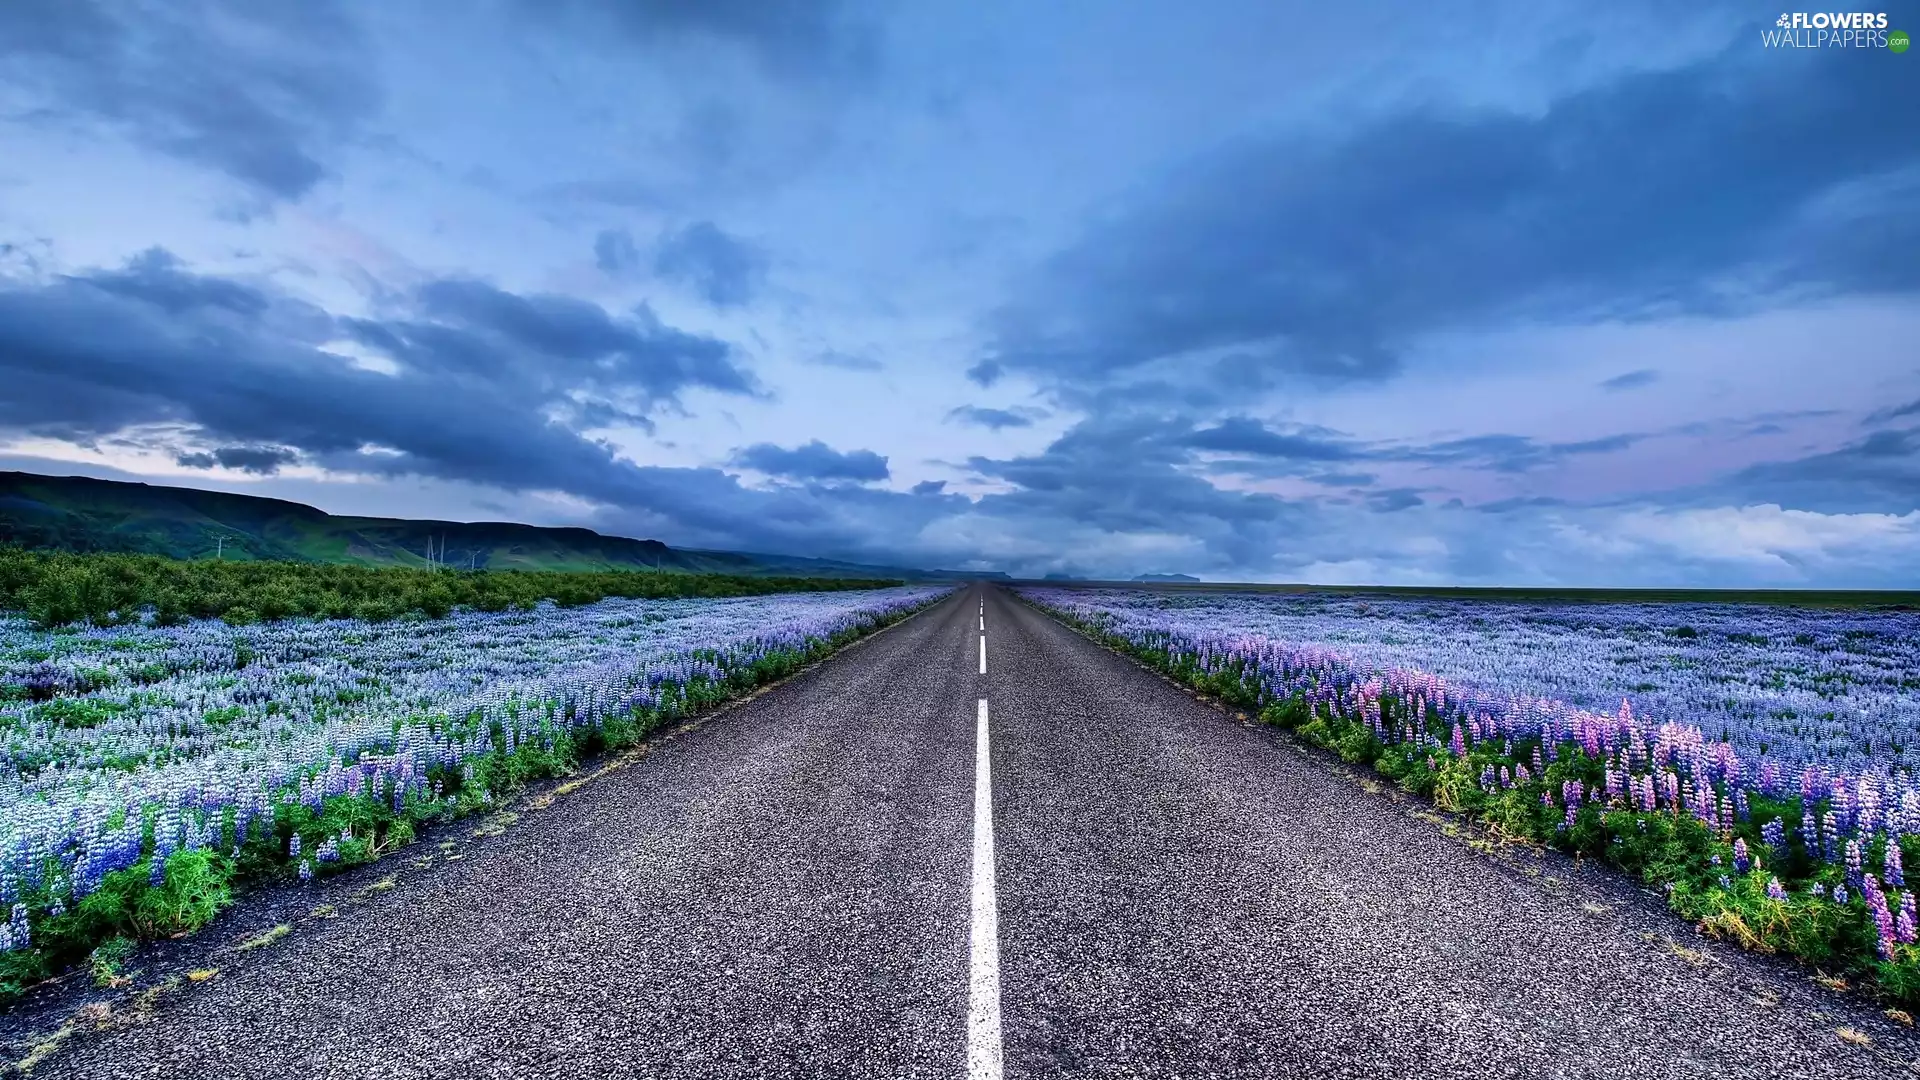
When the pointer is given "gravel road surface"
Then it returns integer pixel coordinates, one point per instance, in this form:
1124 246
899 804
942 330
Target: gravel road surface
787 890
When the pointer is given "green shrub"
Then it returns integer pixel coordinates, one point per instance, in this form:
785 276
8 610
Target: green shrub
62 588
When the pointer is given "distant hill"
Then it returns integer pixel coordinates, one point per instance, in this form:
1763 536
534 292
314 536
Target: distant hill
78 513
1167 577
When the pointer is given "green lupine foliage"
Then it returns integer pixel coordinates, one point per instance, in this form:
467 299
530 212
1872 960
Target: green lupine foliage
61 588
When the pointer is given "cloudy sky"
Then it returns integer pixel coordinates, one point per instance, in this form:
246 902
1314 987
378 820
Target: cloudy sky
1521 293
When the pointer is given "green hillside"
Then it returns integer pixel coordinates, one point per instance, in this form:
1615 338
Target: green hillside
81 514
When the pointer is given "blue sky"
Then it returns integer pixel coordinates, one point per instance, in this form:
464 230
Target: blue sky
1544 293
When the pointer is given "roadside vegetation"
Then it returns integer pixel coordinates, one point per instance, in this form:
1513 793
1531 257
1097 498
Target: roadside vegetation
148 774
1776 853
62 588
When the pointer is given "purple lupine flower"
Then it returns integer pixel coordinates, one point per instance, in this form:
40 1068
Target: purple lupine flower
1775 890
1819 890
1903 925
1896 874
306 871
1774 834
1853 862
1741 860
293 848
1883 922
1840 895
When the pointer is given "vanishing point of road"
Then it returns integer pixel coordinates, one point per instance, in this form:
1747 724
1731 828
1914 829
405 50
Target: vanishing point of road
978 845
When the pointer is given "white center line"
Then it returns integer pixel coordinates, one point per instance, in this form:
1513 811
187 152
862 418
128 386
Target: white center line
983 653
983 984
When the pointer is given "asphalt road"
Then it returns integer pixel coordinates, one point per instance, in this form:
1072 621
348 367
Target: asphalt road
806 885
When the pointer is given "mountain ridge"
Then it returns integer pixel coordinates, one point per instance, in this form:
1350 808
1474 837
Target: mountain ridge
82 513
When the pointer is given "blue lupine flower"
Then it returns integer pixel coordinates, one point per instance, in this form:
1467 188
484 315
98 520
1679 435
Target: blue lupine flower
19 930
1774 835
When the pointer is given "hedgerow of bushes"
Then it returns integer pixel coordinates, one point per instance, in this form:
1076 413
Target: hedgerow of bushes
58 588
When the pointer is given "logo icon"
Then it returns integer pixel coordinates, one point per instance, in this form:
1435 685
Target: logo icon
1785 20
1898 40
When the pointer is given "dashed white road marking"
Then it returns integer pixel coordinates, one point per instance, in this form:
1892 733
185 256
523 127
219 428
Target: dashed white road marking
983 653
983 984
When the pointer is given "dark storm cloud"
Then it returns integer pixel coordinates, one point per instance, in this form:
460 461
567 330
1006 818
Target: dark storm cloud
1878 473
1259 449
930 487
1881 416
1240 435
259 460
262 92
155 277
482 375
1118 474
995 419
1707 189
1631 380
724 270
1341 479
1508 453
615 253
1390 500
813 461
798 38
481 330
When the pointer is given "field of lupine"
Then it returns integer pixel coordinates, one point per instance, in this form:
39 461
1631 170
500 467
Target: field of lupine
146 770
1753 763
